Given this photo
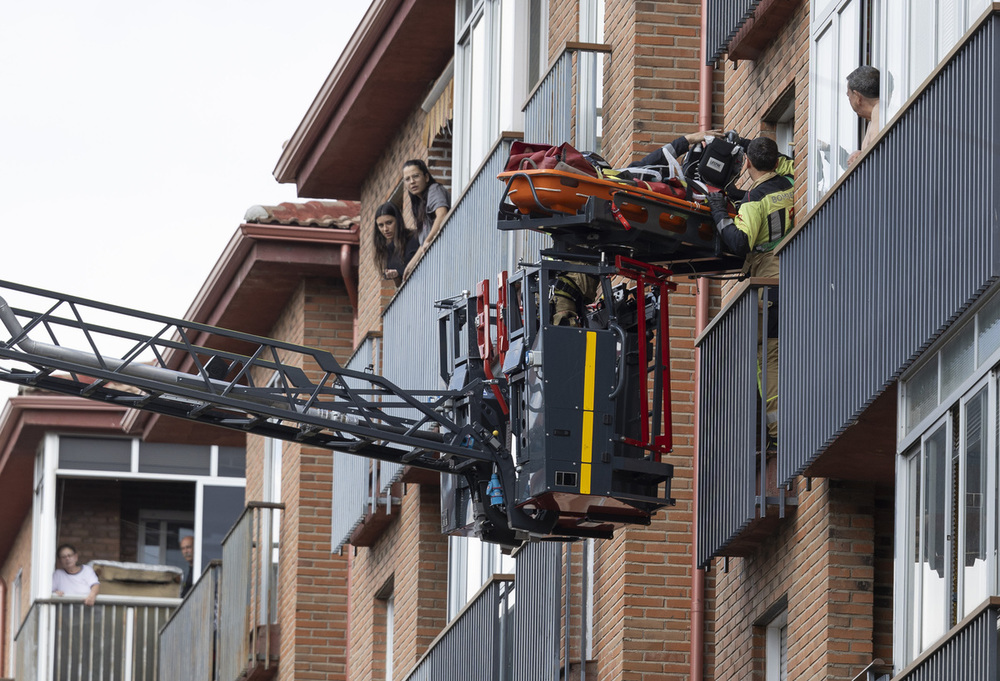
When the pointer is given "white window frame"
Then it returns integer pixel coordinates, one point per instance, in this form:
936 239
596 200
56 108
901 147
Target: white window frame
776 648
821 24
471 563
505 34
390 632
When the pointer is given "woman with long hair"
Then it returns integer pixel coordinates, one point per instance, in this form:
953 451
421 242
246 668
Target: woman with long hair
394 246
429 200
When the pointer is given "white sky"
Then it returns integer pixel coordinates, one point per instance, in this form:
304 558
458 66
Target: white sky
134 135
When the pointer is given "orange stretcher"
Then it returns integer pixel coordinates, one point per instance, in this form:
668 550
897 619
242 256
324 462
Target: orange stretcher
535 192
588 213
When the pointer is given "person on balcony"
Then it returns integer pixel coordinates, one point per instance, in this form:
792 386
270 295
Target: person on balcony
763 220
863 94
394 246
187 550
429 200
73 579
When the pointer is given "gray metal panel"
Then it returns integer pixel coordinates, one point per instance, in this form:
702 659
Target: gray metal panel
536 612
893 257
351 479
548 114
235 596
727 427
190 637
970 655
725 18
470 649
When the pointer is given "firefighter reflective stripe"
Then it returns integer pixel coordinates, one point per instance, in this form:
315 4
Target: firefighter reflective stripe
587 434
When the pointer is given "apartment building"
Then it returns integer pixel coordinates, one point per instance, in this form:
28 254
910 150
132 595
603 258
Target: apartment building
866 547
454 83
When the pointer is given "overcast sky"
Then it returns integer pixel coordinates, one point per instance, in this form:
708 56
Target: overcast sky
135 135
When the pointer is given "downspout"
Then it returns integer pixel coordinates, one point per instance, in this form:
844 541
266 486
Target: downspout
350 612
701 321
4 618
347 274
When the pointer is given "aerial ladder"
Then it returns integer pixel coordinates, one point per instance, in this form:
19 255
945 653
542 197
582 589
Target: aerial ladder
546 432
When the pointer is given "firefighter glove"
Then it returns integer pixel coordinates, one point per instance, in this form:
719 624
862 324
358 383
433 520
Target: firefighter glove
717 202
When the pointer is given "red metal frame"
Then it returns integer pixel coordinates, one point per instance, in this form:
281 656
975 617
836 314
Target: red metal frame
644 274
483 339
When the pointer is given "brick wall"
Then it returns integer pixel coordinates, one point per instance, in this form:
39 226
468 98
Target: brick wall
651 80
88 516
412 557
312 606
823 561
18 559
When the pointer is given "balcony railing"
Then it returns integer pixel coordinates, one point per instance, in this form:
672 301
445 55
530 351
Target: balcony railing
61 639
477 645
889 259
566 104
190 638
968 653
736 478
248 602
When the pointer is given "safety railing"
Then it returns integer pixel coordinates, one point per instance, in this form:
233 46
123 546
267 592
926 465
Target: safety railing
968 653
477 645
249 592
352 475
62 639
190 638
567 103
735 474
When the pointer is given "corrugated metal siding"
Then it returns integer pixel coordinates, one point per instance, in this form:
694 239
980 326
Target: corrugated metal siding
471 649
234 599
548 114
536 630
725 17
727 427
971 655
189 639
889 261
351 480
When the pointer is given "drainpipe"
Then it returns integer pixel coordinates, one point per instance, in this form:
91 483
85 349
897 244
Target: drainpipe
701 321
347 274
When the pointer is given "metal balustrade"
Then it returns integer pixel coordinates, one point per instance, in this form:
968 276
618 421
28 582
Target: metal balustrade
249 592
62 639
967 653
190 638
731 470
477 645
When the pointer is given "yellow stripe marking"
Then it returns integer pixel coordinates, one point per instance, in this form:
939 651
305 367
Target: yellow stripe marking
587 432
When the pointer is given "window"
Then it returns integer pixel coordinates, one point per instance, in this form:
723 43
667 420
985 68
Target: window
590 65
947 480
776 653
160 535
499 45
908 52
839 45
384 623
471 563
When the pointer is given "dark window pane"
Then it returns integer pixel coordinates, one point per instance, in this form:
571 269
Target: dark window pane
223 506
158 457
232 462
93 454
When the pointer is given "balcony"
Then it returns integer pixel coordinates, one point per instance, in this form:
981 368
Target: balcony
734 510
226 629
885 263
190 638
62 639
477 644
967 653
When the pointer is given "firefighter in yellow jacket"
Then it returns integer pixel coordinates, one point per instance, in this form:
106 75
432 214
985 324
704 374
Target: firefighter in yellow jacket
763 219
